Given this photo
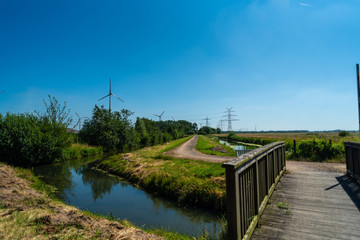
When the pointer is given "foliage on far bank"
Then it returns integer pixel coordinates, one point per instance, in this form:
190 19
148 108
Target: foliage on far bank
115 132
32 139
208 130
151 133
188 182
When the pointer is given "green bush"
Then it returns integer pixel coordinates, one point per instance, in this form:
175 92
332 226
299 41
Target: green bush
344 134
111 130
29 139
319 150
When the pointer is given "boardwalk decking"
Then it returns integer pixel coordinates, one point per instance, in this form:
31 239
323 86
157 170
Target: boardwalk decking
322 205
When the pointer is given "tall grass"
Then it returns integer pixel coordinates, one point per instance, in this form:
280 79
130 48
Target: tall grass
81 150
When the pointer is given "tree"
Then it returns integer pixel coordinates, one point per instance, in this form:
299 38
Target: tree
112 130
206 130
56 113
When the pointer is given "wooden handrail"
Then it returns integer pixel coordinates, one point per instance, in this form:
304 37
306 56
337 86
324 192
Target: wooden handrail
250 180
352 151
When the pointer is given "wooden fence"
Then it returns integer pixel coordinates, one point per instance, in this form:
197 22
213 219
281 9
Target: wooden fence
250 181
352 151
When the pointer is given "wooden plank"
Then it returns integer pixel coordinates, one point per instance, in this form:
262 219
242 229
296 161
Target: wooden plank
321 205
299 221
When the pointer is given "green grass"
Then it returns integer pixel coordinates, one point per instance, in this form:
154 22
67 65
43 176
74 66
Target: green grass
81 150
36 183
212 147
188 182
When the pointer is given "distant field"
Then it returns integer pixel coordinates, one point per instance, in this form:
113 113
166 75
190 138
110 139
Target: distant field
333 136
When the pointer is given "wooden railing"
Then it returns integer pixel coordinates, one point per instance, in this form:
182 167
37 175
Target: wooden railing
250 181
241 152
352 151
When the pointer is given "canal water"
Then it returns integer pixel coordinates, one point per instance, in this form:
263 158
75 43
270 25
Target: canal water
238 146
80 185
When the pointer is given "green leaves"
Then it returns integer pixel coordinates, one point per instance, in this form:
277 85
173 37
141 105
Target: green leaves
28 139
111 130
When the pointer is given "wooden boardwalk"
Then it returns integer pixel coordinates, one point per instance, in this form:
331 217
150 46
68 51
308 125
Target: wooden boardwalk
322 205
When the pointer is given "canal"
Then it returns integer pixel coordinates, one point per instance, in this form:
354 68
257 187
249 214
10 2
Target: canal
80 185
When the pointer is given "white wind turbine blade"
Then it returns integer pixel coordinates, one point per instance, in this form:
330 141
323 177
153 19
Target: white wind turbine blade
117 97
104 97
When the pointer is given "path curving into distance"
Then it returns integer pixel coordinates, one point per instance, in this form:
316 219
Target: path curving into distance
187 151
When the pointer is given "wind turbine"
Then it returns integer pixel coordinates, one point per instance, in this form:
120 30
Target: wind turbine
109 95
159 115
78 122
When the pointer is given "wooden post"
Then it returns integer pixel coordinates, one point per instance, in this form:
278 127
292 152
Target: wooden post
294 148
231 188
330 142
358 90
257 193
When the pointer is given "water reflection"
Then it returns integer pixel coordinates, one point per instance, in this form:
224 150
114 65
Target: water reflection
80 185
237 146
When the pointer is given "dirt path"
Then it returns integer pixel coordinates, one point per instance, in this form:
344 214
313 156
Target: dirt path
28 214
296 166
187 151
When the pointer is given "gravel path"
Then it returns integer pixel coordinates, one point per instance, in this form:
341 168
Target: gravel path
187 151
297 166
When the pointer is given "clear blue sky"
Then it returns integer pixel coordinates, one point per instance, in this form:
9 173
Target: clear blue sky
280 64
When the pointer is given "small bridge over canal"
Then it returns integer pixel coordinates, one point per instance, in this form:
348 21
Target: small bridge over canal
307 203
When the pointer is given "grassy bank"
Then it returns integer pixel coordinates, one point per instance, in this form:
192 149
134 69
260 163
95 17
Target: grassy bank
186 181
27 212
81 150
207 145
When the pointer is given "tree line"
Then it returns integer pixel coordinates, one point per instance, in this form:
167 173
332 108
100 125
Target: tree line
39 138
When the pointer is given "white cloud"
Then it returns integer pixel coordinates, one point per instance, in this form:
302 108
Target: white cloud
305 4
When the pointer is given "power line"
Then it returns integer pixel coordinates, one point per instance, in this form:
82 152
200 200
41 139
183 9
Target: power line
229 118
207 121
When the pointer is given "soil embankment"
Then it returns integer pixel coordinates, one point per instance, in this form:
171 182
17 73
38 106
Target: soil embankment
187 151
26 214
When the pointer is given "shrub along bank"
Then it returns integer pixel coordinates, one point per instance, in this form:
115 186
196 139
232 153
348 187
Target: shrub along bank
186 181
32 139
37 138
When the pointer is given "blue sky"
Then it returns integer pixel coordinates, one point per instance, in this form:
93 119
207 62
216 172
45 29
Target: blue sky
280 64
